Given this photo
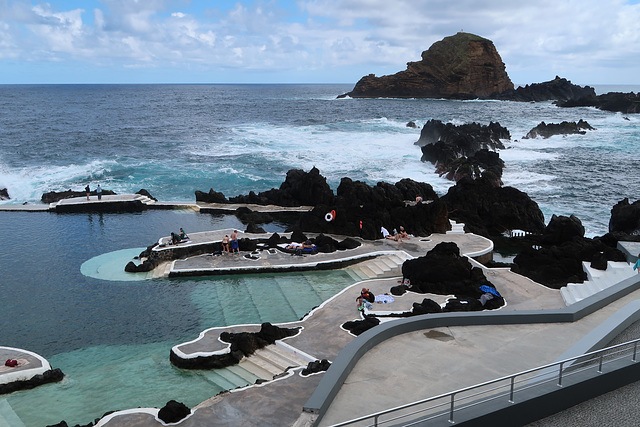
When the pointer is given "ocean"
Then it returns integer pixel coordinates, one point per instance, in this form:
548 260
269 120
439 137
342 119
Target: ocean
112 337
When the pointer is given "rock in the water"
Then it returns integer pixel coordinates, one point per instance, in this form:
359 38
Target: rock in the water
558 89
627 103
210 197
545 130
462 66
4 195
299 188
173 412
463 151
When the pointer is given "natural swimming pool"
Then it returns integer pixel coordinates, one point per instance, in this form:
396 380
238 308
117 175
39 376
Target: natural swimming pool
111 337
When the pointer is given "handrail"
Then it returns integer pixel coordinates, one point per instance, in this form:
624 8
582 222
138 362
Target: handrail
511 378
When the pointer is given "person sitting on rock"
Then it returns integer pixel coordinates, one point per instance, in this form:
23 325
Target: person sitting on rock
403 233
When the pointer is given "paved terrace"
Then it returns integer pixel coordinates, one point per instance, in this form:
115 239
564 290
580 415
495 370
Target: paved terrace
401 369
276 260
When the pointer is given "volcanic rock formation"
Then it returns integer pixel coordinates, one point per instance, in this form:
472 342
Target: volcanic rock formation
462 66
489 210
463 151
558 89
545 130
628 103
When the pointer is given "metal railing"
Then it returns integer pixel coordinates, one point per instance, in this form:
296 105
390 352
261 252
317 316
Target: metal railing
447 404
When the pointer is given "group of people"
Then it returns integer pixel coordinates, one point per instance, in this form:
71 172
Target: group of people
178 237
98 191
230 241
398 236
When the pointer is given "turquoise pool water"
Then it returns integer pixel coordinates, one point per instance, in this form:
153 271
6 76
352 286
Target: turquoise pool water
112 337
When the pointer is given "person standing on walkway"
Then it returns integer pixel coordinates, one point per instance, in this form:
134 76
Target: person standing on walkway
636 266
88 190
99 192
225 244
234 242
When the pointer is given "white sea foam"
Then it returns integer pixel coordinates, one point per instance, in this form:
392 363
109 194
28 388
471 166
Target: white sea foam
28 184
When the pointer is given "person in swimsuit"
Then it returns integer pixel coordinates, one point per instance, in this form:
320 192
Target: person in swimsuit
225 244
235 248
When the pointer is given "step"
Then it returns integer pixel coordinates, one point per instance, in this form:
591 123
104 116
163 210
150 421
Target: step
249 377
233 378
579 290
567 296
591 287
381 265
353 274
386 259
265 365
219 380
600 283
357 270
368 273
294 359
374 267
275 359
255 369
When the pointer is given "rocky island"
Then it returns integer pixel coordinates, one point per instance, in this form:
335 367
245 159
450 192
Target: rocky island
462 66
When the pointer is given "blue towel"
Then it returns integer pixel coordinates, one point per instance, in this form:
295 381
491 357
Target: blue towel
489 289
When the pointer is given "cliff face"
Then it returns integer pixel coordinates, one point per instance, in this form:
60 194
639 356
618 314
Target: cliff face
463 66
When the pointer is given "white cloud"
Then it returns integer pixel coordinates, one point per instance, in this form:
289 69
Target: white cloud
537 39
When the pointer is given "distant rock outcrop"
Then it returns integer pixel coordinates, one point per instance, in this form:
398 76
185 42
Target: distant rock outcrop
558 89
545 130
4 194
463 151
627 103
462 66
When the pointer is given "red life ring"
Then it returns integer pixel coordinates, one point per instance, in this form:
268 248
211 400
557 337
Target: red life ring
330 216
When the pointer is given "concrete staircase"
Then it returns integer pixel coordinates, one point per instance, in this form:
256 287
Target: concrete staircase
144 199
456 228
388 265
274 360
597 280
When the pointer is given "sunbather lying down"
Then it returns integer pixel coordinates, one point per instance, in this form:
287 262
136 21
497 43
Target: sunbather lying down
293 247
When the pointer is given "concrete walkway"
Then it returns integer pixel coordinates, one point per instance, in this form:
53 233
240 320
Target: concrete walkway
124 200
396 364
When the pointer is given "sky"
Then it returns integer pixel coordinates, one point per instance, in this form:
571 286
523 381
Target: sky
307 41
